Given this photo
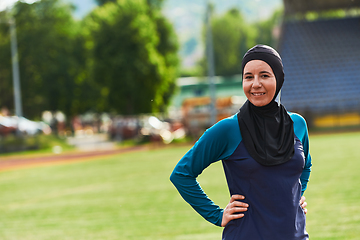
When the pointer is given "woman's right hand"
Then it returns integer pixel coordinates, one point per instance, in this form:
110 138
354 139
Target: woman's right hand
233 209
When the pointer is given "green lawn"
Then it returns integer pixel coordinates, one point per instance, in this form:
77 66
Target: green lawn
129 196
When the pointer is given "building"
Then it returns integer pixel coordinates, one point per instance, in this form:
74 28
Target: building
321 60
193 100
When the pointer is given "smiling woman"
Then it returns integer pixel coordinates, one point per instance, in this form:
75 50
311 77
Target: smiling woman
265 153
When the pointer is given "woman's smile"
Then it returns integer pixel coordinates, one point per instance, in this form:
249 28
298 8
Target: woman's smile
258 94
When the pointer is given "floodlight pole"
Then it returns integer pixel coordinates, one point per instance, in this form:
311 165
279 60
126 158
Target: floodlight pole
210 60
15 69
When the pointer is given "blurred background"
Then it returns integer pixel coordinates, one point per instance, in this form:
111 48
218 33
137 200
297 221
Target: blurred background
83 68
131 84
105 70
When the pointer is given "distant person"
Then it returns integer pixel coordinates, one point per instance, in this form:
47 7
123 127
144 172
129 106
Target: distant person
265 154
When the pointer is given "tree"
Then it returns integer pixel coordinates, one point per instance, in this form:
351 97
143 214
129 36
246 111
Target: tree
51 58
231 39
152 3
6 85
168 48
265 28
134 57
102 2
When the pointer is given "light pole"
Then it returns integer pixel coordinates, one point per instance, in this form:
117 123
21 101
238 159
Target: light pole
210 61
15 69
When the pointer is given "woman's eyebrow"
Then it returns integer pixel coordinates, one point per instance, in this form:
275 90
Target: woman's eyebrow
249 73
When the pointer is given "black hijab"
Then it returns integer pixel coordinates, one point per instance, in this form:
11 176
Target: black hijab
267 131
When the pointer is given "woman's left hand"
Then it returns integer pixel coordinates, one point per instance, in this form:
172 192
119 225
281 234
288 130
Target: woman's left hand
303 204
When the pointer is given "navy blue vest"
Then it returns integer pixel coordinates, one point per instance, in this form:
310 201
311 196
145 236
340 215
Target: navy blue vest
273 194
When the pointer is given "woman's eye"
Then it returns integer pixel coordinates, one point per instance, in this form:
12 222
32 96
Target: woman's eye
265 76
248 77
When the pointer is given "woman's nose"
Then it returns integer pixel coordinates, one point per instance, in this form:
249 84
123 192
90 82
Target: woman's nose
256 83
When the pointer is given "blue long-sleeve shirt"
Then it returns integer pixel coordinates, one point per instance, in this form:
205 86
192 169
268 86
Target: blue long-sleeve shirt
276 187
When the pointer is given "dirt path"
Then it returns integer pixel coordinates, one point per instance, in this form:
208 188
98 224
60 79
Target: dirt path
15 162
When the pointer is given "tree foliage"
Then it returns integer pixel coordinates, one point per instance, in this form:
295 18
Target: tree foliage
102 2
152 3
265 28
134 57
47 45
6 90
232 36
121 58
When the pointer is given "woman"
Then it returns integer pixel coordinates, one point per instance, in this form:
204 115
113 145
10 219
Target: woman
265 154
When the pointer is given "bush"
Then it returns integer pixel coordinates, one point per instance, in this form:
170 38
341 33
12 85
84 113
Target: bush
14 143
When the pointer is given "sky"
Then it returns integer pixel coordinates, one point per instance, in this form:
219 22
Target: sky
8 3
83 6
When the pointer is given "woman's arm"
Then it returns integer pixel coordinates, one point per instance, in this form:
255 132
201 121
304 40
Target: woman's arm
213 145
301 131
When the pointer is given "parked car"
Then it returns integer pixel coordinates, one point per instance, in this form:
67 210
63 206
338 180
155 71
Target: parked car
8 125
12 124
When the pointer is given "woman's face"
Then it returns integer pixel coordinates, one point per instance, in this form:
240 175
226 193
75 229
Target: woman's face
259 82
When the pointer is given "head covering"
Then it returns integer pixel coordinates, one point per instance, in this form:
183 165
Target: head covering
271 57
267 131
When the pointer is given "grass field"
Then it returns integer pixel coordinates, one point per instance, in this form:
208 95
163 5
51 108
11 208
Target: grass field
129 196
